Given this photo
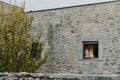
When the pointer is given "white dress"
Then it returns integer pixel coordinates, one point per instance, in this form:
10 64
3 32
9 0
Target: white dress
87 53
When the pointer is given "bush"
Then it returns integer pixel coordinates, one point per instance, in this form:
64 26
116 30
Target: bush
18 49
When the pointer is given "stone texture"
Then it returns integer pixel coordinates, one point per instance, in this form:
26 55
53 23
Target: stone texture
63 29
60 76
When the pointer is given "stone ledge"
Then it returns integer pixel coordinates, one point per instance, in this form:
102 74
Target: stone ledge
55 76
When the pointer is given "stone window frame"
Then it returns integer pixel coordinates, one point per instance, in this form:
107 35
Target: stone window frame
91 38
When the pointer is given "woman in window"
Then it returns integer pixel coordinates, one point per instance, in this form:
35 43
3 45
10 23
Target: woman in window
87 53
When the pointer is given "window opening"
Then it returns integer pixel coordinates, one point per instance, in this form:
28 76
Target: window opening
90 49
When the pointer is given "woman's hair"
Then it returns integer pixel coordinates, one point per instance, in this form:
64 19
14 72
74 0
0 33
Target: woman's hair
86 46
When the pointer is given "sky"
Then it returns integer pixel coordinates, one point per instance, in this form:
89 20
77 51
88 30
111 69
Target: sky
34 5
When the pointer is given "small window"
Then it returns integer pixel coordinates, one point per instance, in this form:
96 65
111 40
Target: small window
90 49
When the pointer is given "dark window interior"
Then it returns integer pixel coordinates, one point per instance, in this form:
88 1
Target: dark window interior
90 49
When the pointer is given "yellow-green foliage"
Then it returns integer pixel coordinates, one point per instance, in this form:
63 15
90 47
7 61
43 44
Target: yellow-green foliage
18 50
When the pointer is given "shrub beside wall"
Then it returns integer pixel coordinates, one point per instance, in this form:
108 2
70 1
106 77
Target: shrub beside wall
19 50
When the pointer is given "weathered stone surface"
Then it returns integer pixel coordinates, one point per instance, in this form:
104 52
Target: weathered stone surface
60 76
4 74
63 30
37 75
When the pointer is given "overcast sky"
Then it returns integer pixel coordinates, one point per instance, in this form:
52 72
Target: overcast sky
34 5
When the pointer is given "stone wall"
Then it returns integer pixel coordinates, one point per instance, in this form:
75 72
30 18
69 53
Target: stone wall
5 6
60 76
63 30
